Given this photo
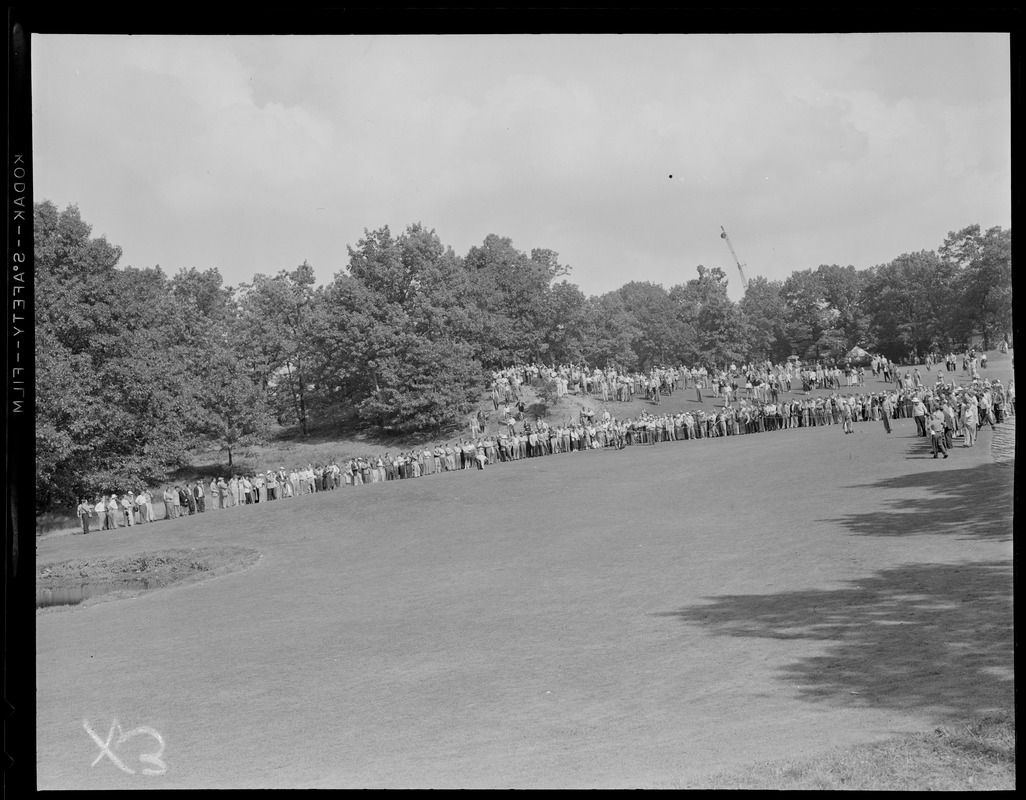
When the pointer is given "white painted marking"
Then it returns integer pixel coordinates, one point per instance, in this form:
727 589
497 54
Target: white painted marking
147 758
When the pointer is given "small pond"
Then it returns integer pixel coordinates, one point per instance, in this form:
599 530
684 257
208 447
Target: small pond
73 595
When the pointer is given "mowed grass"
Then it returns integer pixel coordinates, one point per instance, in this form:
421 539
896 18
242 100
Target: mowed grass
649 618
977 756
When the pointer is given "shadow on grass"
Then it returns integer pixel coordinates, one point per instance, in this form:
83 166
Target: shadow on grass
913 637
918 447
374 438
972 503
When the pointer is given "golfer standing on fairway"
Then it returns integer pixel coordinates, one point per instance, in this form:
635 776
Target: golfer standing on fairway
936 426
919 414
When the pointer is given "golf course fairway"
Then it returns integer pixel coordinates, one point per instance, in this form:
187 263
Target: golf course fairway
635 618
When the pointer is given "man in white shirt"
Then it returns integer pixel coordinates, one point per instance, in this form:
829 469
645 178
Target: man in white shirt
919 414
127 502
886 410
141 501
936 426
986 409
112 512
970 420
85 509
100 509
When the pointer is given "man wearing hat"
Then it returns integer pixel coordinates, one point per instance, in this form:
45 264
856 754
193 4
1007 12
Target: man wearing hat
919 414
936 428
987 406
112 512
126 505
970 420
887 410
146 506
950 422
84 510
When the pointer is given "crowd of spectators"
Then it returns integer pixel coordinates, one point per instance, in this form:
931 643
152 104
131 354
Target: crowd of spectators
750 401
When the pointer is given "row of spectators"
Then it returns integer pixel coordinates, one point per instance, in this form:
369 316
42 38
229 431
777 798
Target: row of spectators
616 383
964 409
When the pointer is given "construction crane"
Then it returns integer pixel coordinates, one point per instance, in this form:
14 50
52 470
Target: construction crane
740 266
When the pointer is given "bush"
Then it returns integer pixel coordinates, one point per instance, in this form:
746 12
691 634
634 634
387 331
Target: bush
548 398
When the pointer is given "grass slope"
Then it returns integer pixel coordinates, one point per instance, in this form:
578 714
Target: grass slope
644 618
978 756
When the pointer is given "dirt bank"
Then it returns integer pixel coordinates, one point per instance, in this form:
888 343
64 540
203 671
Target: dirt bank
154 569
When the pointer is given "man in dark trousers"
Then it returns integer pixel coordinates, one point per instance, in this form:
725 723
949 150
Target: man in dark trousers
886 410
936 426
919 414
84 510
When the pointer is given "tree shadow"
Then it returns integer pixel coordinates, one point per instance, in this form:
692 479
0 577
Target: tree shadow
203 472
924 636
374 437
971 503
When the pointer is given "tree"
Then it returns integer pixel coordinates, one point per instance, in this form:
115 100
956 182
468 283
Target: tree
718 330
658 336
564 320
609 331
962 248
402 321
832 344
908 297
424 385
765 313
510 292
235 407
209 301
843 293
117 374
981 264
279 315
807 317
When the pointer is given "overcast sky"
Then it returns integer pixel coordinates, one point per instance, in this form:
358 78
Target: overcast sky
623 153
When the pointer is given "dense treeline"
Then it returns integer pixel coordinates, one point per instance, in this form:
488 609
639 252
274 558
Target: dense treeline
135 368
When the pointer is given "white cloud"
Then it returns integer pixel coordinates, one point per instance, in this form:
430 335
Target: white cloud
258 152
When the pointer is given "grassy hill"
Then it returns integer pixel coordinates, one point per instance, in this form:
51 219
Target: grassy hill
286 448
653 617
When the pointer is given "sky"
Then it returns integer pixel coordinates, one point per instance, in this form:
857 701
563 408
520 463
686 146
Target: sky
625 154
